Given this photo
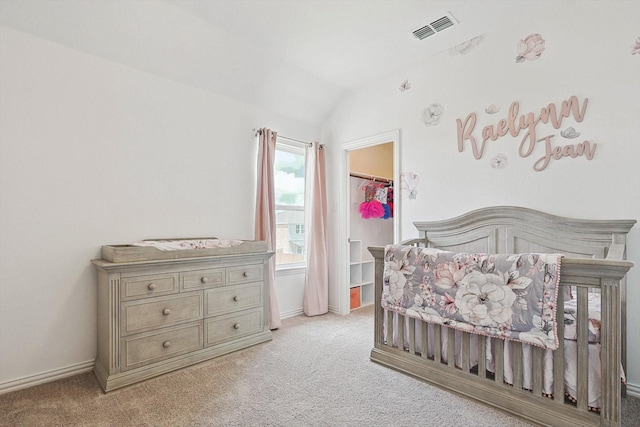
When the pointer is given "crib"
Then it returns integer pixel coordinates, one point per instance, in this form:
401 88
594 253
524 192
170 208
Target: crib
516 377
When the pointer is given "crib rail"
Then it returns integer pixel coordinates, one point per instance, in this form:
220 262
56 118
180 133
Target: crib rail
454 360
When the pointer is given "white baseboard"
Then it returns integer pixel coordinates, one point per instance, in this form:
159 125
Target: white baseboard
633 390
45 377
292 313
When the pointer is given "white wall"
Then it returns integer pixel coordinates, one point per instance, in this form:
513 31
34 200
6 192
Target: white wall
92 153
579 60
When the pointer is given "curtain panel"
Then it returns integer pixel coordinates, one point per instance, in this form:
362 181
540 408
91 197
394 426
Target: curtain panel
316 283
265 228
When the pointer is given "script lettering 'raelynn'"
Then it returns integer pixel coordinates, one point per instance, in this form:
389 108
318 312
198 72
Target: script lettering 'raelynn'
515 123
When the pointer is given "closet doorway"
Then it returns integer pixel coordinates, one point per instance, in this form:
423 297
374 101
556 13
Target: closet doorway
368 165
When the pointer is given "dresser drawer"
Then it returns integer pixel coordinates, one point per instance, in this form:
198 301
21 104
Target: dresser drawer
201 279
148 286
153 313
245 273
232 326
232 298
143 349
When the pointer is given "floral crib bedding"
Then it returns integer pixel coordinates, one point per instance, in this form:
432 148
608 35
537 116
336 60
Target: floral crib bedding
413 276
507 296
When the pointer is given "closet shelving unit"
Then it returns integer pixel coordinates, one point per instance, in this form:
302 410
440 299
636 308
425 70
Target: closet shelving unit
361 273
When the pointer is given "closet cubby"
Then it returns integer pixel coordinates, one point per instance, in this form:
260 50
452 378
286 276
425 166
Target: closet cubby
361 275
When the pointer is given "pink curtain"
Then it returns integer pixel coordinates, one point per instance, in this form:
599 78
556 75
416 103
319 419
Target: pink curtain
266 215
316 282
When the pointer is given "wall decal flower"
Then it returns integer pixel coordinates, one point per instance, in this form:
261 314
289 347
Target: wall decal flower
569 133
432 114
409 184
530 48
405 85
492 109
499 161
467 46
636 48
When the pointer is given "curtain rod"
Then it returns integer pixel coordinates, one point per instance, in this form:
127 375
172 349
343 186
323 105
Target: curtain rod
370 177
308 144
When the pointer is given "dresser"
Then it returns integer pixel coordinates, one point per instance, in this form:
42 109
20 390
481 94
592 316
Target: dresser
156 316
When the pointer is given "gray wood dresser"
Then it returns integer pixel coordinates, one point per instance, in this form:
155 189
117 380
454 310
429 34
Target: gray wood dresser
155 316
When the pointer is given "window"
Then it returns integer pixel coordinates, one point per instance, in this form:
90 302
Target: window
289 183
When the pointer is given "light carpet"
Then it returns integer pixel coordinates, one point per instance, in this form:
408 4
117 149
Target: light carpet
315 372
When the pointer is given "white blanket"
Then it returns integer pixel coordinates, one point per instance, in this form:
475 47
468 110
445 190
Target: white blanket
172 245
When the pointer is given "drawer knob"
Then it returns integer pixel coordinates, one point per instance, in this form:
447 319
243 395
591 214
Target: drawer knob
151 286
166 312
236 326
166 344
236 298
246 274
205 279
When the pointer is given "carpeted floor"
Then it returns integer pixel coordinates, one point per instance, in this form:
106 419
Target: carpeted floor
315 372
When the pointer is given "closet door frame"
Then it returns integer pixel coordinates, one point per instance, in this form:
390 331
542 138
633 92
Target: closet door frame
345 199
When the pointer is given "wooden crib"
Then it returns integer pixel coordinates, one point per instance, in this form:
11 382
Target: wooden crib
594 262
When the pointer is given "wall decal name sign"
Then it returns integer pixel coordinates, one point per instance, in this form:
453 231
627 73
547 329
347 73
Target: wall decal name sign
516 123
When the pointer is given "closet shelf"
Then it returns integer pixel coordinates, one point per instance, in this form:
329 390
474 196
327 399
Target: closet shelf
361 276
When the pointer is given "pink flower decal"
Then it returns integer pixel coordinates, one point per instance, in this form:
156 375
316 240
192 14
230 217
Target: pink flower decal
636 48
530 48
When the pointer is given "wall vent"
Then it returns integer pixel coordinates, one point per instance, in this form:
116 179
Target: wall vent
434 27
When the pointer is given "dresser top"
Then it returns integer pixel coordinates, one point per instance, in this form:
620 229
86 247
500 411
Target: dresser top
226 259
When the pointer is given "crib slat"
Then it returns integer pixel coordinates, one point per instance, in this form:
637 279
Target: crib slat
412 335
437 343
424 340
516 348
538 354
498 344
558 354
466 350
482 357
390 329
583 348
400 342
451 347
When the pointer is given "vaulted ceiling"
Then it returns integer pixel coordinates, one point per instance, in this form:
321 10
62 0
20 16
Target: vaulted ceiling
295 57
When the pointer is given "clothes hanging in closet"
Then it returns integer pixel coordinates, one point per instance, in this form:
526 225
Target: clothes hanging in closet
378 201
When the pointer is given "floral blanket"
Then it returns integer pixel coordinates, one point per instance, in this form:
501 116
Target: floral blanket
509 296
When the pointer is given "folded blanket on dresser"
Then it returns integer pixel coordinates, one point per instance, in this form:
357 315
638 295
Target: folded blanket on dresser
508 296
186 244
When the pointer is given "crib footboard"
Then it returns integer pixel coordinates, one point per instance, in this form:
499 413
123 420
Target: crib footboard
523 380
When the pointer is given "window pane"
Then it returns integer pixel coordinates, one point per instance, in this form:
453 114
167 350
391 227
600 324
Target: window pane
289 236
289 178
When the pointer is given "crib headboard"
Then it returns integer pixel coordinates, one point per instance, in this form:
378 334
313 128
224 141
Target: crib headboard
510 229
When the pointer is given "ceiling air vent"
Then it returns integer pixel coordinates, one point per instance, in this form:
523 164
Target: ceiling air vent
434 27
